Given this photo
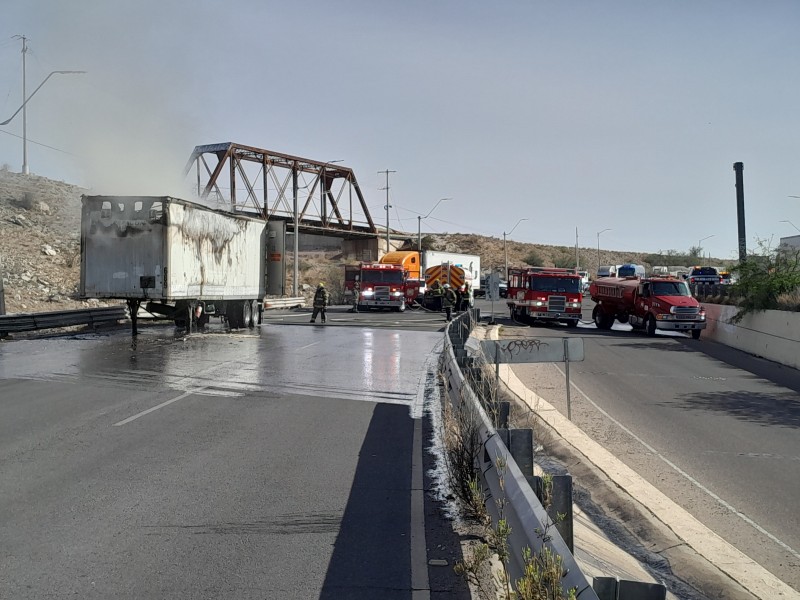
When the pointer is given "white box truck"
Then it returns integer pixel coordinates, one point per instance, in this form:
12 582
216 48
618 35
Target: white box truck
185 260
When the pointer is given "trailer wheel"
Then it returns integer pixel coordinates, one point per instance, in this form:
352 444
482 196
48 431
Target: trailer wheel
696 334
255 315
247 314
650 325
236 311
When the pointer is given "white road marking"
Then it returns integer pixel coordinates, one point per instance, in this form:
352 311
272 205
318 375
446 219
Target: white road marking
685 475
308 345
162 405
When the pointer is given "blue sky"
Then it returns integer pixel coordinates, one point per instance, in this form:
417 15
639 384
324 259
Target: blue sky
620 115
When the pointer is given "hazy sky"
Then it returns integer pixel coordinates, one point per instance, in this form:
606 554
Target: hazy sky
622 115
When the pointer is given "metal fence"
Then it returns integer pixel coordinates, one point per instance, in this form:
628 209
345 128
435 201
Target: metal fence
713 291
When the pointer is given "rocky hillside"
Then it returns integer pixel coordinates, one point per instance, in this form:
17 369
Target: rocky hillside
40 247
39 243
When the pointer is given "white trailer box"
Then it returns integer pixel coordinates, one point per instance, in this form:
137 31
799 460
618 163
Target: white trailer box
469 262
166 249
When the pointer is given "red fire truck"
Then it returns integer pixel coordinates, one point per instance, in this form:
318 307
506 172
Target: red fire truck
544 294
382 286
651 303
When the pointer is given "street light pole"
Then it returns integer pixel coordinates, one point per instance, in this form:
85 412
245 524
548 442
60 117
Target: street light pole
505 248
25 169
700 245
790 223
419 222
26 99
598 249
388 206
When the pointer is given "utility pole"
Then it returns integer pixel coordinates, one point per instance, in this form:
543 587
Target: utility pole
388 206
577 261
25 169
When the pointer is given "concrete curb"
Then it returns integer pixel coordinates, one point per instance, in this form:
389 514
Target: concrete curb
736 565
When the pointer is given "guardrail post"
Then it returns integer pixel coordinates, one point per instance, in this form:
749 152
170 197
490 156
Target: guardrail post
503 412
2 296
520 445
605 587
560 505
640 590
610 588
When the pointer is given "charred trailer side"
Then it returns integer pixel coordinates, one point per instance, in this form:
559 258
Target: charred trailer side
186 261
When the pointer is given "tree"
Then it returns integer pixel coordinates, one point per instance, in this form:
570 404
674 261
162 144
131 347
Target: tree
766 276
564 262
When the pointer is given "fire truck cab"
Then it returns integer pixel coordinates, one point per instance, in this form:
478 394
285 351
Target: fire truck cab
382 286
545 294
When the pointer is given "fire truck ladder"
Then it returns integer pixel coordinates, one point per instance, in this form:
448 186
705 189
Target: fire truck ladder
293 189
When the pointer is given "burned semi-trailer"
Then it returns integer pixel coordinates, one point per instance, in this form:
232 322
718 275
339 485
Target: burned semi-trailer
185 261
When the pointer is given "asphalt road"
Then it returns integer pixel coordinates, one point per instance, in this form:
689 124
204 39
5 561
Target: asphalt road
285 462
715 429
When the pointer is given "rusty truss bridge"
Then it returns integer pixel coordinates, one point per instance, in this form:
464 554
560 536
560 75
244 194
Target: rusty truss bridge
311 196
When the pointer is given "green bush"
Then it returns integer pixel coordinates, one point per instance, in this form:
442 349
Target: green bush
534 259
769 279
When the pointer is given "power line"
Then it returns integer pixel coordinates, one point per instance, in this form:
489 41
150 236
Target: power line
38 143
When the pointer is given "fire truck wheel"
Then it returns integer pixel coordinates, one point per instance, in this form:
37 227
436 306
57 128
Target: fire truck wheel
650 325
602 320
696 334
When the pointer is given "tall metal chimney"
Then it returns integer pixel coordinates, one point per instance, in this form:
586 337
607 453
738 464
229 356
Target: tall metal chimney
739 170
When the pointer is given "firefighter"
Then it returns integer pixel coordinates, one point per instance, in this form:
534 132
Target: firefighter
435 295
448 301
466 296
356 294
321 300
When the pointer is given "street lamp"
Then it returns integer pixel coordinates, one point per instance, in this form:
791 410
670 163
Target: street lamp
24 109
700 244
419 222
598 248
790 223
505 250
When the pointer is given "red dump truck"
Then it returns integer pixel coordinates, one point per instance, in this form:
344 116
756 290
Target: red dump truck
647 304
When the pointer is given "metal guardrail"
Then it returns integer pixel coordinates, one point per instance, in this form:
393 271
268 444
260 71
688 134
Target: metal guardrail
523 511
283 302
66 318
706 291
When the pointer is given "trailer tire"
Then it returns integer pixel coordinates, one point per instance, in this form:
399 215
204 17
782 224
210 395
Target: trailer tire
650 325
247 313
253 321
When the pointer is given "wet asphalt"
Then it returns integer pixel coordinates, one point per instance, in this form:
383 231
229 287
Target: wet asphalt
266 463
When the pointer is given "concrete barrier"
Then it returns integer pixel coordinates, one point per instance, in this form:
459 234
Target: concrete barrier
771 334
